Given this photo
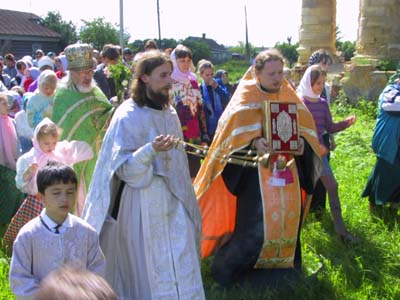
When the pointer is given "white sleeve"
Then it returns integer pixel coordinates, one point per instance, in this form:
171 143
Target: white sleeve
96 260
23 162
392 106
137 171
22 282
391 100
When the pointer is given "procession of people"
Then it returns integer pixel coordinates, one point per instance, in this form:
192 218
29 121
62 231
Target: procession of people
140 191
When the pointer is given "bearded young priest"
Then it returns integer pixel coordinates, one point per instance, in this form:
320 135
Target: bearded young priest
141 199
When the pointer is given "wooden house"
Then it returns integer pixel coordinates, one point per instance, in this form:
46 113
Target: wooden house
21 34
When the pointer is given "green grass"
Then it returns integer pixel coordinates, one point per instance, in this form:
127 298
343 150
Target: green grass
331 270
5 292
235 69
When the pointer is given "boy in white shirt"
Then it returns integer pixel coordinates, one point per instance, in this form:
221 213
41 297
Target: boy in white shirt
56 237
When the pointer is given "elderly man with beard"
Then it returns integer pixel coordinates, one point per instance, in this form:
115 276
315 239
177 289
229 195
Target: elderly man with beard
141 199
81 109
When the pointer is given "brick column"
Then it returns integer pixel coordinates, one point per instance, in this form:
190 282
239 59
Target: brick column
379 29
318 28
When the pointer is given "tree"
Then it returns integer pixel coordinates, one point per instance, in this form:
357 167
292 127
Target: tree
347 48
200 49
241 49
137 46
54 21
99 32
168 43
288 51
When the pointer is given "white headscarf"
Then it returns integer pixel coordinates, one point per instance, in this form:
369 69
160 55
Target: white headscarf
305 89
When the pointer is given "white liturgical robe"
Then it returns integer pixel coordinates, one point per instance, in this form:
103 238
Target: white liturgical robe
152 245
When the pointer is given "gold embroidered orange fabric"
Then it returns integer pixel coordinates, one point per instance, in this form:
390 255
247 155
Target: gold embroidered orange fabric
240 123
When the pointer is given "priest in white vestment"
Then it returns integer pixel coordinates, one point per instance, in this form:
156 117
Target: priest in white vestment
141 199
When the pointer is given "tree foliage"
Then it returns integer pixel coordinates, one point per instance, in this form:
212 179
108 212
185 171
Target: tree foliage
54 21
348 48
240 48
200 49
289 51
98 32
137 46
168 43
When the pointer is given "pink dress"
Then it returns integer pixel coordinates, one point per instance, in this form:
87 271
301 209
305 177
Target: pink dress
10 196
8 142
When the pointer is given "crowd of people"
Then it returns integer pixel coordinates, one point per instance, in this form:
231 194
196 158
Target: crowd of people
136 193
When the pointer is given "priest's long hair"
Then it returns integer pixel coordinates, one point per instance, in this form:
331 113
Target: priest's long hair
145 66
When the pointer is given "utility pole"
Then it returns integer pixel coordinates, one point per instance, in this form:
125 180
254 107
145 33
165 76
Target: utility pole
247 36
159 25
121 24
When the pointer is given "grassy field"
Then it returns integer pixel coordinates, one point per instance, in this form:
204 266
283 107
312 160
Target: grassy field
331 270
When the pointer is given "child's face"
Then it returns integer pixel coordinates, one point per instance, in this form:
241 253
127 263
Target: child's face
207 75
47 89
3 106
48 143
59 199
319 85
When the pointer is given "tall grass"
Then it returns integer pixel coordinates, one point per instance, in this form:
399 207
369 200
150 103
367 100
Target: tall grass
331 270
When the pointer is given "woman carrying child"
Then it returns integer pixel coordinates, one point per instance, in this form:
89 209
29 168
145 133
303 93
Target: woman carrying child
45 147
311 86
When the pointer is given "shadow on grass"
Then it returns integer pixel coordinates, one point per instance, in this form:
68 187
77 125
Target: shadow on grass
300 287
271 284
332 269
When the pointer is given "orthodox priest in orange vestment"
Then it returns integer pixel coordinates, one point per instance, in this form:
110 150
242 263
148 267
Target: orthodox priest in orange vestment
252 216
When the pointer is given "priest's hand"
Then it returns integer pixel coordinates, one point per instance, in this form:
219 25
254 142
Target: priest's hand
163 142
261 145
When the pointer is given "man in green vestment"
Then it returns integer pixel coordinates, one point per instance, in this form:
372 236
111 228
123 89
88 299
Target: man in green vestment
80 109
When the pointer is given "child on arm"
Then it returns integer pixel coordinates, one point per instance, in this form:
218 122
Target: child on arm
45 147
40 104
55 238
312 85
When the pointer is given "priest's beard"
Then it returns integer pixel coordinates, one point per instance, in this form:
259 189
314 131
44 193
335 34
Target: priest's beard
86 88
161 97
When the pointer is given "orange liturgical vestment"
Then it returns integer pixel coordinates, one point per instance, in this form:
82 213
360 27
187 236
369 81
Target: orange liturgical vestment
240 123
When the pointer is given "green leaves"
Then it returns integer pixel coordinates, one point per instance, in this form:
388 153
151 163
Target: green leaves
122 76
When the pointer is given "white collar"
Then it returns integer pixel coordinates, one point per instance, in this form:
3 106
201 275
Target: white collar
51 224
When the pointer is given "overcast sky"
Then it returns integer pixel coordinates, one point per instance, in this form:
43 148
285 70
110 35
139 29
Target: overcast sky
269 21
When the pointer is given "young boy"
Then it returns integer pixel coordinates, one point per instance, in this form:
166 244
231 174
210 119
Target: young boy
55 238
